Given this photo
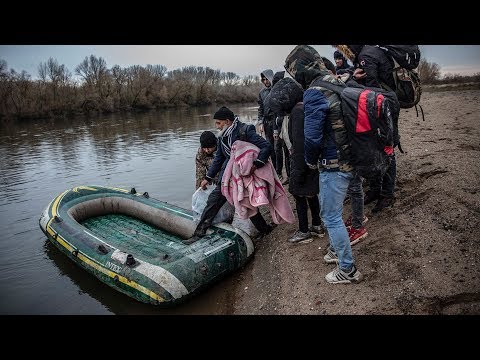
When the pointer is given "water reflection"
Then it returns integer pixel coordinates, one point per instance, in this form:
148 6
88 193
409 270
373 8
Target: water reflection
152 152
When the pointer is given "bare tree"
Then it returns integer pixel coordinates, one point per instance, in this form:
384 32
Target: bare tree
428 72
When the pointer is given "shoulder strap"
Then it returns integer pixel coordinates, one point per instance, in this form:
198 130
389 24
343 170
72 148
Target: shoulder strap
328 85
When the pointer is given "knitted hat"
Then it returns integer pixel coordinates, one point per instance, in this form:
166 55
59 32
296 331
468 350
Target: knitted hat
224 113
208 139
337 55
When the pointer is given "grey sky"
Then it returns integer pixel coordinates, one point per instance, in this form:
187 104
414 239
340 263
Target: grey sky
240 59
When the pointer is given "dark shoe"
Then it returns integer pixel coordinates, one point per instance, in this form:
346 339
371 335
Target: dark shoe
267 230
370 196
318 230
191 240
383 203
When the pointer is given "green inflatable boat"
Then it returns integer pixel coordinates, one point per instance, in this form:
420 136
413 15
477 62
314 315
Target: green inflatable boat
133 243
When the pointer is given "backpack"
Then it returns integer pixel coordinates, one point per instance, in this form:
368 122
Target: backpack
406 56
368 119
407 82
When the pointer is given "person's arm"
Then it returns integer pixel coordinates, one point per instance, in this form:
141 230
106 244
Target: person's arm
200 169
264 146
315 110
217 162
370 66
260 109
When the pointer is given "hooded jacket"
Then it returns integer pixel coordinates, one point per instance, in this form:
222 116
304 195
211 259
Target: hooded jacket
262 114
374 61
322 109
286 98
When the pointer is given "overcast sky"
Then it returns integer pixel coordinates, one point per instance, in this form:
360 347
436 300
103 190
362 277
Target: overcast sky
240 59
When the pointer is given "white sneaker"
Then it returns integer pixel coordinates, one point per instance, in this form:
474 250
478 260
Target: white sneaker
331 256
338 276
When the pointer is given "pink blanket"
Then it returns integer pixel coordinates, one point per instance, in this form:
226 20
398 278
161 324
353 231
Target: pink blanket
263 187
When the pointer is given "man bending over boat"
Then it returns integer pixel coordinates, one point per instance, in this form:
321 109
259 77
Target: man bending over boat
231 129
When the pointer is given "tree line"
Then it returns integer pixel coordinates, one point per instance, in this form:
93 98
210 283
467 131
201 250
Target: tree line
97 88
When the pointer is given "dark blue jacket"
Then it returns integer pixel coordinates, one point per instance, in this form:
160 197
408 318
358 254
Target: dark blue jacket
221 157
319 136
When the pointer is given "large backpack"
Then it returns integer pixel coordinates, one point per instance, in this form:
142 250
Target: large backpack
408 87
368 118
406 56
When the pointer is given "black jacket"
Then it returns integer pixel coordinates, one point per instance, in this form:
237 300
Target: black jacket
376 64
221 157
286 98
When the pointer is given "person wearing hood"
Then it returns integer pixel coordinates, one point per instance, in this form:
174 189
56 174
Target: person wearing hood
266 118
373 68
285 100
281 150
327 147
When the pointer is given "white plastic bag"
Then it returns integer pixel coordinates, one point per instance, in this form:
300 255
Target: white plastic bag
199 201
245 225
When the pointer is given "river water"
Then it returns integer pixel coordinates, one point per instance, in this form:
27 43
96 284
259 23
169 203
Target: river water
153 152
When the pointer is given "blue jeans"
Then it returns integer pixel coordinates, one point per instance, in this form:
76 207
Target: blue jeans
355 190
333 188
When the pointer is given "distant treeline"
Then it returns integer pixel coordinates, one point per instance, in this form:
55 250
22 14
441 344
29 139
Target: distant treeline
96 88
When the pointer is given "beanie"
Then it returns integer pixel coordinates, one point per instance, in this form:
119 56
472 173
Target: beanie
224 113
337 55
208 139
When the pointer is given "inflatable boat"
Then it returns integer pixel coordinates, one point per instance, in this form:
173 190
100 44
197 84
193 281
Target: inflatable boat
133 243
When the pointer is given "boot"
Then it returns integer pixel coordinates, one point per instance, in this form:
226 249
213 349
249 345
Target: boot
383 202
370 196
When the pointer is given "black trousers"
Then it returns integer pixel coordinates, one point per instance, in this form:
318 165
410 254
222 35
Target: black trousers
303 203
280 149
214 203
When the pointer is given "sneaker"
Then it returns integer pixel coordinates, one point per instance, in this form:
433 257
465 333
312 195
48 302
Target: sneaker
338 276
301 237
382 203
348 223
317 230
331 256
356 235
370 196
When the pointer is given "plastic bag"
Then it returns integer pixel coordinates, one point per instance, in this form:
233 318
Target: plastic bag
245 225
199 201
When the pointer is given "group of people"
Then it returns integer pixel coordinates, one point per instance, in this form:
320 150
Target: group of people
307 118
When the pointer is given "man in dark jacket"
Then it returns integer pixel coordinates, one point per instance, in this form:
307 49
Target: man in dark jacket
266 118
373 68
280 148
286 100
231 129
327 146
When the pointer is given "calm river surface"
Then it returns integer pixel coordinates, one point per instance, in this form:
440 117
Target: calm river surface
153 152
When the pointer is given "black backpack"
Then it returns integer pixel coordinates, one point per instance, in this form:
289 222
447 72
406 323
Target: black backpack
408 87
406 56
368 118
